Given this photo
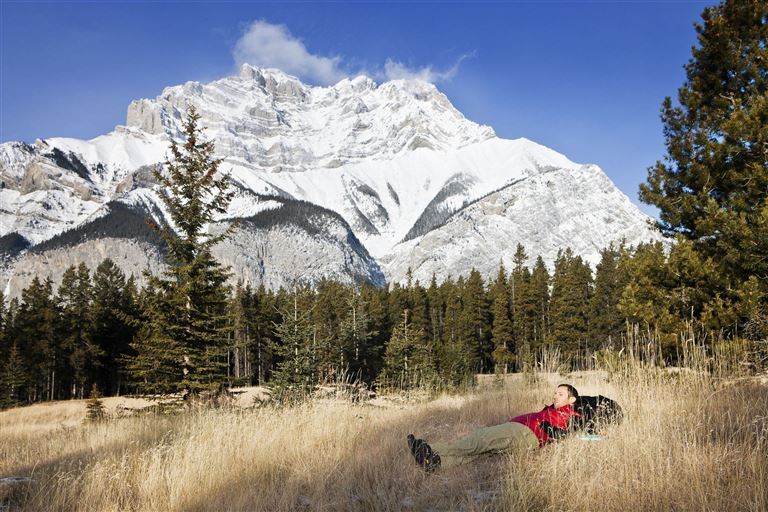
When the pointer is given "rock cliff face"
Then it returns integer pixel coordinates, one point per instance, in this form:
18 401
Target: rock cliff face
358 181
285 243
286 254
131 256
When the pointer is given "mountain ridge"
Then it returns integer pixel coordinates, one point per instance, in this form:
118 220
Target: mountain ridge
395 161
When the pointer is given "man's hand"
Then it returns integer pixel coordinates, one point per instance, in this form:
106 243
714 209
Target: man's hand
552 431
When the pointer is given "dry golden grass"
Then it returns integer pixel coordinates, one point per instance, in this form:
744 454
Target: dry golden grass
687 444
49 416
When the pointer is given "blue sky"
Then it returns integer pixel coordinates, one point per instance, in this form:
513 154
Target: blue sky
584 78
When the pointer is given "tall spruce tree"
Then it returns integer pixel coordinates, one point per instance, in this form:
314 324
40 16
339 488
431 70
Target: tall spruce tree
5 344
114 305
711 187
374 301
606 323
477 320
540 299
296 373
35 332
4 341
571 287
667 289
12 378
521 305
645 299
267 315
418 317
12 373
76 329
9 325
516 285
501 331
407 362
192 290
436 314
455 359
355 335
243 314
331 360
154 366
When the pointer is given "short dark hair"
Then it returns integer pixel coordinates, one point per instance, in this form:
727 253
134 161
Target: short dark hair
571 390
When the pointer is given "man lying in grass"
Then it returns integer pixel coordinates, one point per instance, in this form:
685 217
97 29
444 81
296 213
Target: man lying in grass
530 430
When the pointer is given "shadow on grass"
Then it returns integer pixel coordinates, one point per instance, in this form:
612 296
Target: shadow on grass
45 475
375 472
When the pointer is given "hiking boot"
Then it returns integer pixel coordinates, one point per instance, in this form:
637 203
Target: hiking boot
413 443
422 452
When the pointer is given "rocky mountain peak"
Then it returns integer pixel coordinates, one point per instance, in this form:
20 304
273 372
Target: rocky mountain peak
274 82
255 118
389 174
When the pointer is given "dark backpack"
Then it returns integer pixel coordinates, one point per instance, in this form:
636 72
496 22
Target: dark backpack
595 412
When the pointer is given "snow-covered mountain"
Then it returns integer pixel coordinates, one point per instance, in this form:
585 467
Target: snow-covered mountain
356 181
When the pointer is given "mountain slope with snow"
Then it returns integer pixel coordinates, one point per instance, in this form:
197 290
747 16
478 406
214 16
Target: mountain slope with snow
546 212
400 177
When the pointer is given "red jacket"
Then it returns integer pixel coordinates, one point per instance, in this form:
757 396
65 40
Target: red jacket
550 417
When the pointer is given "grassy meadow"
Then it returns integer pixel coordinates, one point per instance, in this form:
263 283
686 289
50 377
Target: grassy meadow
688 443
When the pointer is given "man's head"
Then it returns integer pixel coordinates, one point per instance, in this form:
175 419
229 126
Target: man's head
565 394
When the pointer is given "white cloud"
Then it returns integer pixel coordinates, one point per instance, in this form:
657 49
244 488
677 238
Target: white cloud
394 70
273 46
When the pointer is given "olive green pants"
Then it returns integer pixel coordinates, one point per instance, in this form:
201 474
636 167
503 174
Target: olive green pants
499 438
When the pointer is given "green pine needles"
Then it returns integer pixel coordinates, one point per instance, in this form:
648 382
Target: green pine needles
711 186
182 346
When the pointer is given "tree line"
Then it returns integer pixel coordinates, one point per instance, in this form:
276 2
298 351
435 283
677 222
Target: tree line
101 330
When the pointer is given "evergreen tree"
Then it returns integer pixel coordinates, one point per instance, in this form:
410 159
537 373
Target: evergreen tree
94 407
4 340
418 304
8 326
76 329
521 304
538 314
645 299
710 188
155 366
267 315
398 301
606 321
374 301
436 313
355 337
5 351
296 375
476 318
331 359
192 319
243 315
665 291
517 280
113 311
454 358
571 285
35 333
406 363
12 378
501 332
